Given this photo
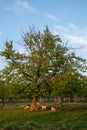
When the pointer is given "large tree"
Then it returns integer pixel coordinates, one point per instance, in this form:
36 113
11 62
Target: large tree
45 59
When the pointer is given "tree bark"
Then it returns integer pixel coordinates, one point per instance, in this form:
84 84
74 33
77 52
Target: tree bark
34 104
3 101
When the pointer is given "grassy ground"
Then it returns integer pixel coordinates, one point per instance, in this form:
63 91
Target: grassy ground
71 117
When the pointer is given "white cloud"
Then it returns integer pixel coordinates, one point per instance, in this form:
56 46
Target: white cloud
22 4
72 33
51 16
76 39
60 27
72 26
7 8
19 7
76 36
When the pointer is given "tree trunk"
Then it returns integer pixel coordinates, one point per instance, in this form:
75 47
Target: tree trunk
59 100
71 99
34 104
3 101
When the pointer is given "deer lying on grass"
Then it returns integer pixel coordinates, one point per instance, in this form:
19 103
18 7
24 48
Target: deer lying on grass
27 106
53 109
44 106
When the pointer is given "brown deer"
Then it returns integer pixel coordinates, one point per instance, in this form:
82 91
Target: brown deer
27 106
53 109
44 106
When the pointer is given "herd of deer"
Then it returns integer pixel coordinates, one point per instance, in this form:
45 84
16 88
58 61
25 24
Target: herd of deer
53 108
43 107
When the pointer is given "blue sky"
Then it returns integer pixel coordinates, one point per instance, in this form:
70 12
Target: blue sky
67 18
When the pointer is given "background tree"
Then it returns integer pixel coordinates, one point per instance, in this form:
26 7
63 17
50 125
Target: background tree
83 92
3 88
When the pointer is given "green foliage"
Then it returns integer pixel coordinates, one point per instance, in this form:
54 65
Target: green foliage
84 87
3 90
43 68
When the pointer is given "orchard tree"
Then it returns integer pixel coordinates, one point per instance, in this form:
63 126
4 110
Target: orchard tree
3 88
45 59
69 81
74 86
14 82
83 92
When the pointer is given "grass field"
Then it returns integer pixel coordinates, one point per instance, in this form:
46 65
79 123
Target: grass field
71 117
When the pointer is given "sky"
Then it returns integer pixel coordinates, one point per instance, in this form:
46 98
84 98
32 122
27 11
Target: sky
67 18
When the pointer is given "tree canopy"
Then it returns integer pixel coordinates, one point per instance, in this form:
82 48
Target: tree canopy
44 66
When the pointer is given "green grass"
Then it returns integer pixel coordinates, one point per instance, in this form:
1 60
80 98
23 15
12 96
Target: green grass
70 118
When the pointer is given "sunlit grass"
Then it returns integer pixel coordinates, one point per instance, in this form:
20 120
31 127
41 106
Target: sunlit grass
70 118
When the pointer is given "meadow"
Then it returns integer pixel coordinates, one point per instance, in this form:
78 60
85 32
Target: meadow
70 117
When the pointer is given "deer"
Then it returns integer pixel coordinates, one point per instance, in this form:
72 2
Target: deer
53 109
27 106
44 106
